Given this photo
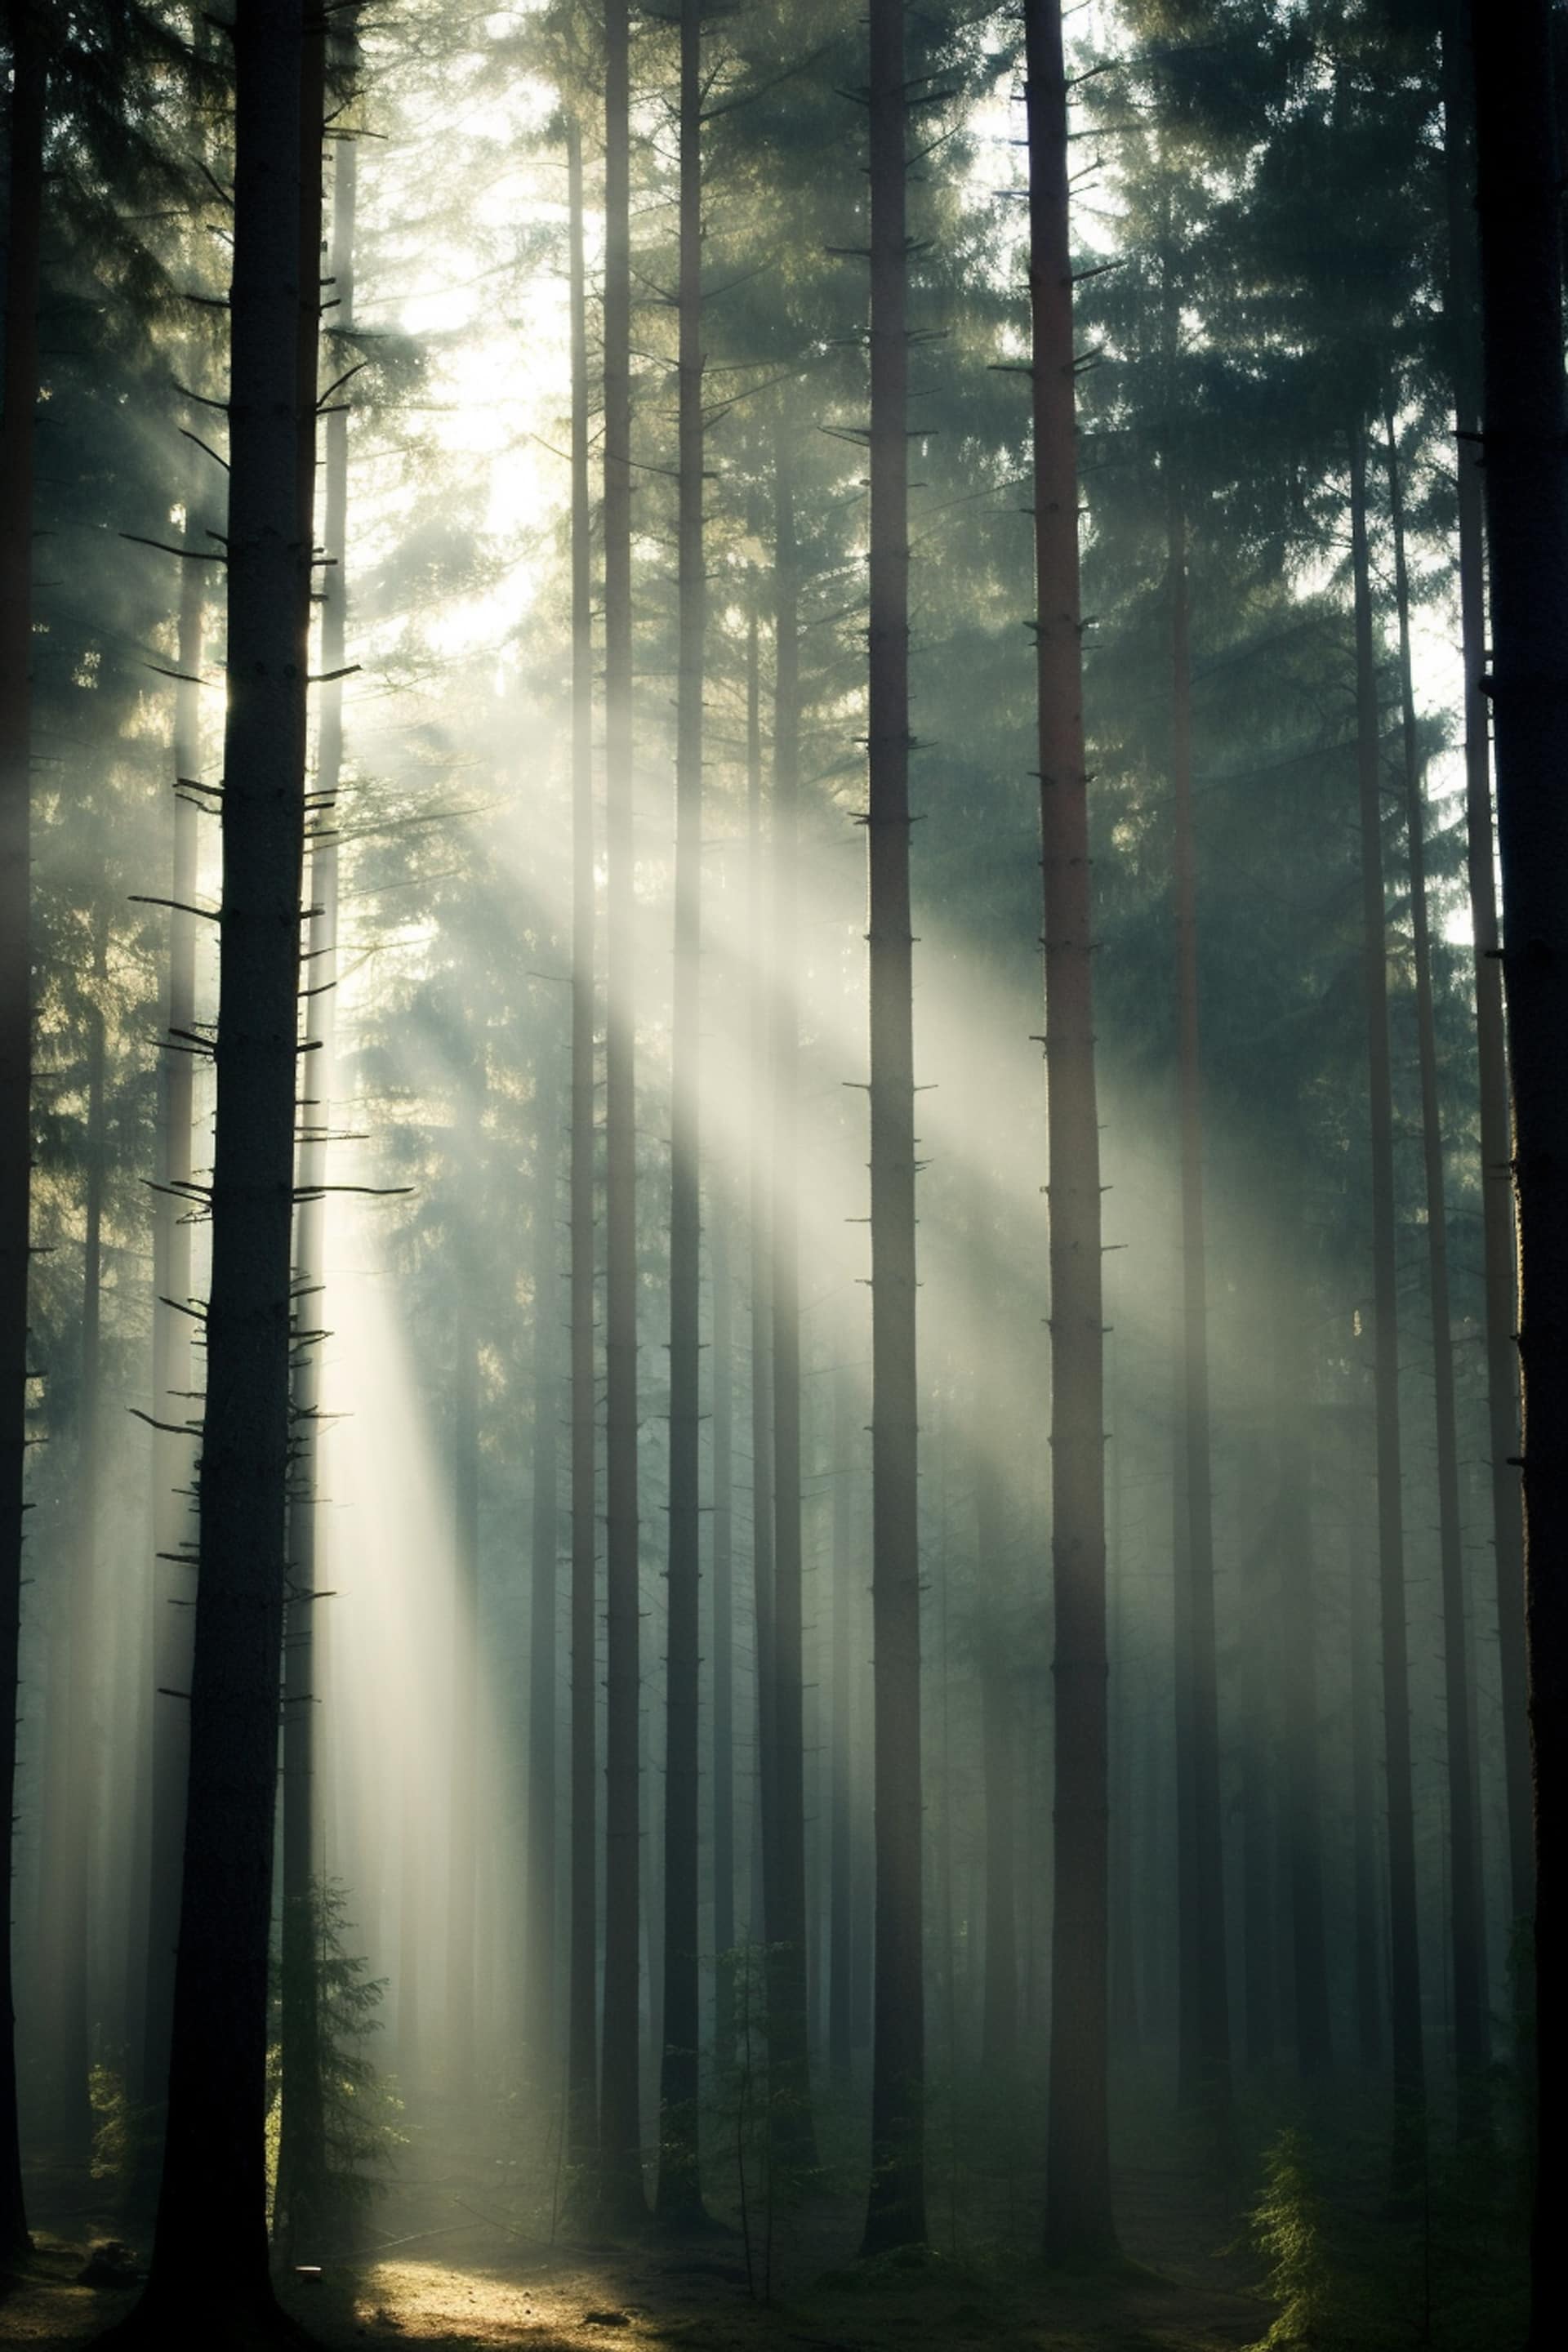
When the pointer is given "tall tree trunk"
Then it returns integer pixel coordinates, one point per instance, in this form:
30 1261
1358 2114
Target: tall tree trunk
620 2125
175 1453
1472 2053
1125 2024
1404 1982
1498 1236
1370 1969
462 1842
678 2197
210 2249
724 1722
765 1844
1525 427
583 2040
78 1756
999 1750
1303 1838
841 1865
17 435
1207 2076
896 2209
544 1547
302 2220
1078 2224
788 2033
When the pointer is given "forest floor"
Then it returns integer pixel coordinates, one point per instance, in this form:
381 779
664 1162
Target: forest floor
458 2252
1186 2287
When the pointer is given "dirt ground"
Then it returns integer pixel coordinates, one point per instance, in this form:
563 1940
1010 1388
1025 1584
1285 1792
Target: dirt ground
467 2282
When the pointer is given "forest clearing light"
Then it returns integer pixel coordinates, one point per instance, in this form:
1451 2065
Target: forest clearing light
391 1567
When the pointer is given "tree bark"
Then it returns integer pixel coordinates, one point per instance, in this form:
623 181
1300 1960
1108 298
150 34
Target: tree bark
462 1845
303 2222
788 2030
723 1720
544 1549
840 1896
1079 2224
1405 1981
210 2249
896 2209
766 1845
1472 2053
174 1452
679 2196
1206 2079
620 2125
18 419
1525 445
582 2041
1497 1235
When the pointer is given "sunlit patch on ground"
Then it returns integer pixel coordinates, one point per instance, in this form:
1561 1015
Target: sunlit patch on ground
442 2302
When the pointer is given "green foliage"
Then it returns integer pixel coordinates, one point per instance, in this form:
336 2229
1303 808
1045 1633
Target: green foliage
1287 2229
362 2111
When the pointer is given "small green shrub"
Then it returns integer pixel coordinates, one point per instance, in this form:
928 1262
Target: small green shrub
1288 2230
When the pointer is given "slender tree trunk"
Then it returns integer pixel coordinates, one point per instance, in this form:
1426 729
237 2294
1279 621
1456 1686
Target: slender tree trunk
1208 2078
175 1453
896 2210
678 2199
1525 424
210 2249
79 1754
583 2052
620 2125
17 435
1467 1930
462 1842
1370 1970
1078 2224
760 1271
544 1545
1302 1841
303 2223
1125 2024
788 2035
841 1865
1405 1983
1498 1240
723 1725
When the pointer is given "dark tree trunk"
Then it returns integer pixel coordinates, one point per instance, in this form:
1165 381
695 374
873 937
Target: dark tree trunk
723 1725
1078 2224
1365 1808
78 1756
1472 2054
175 1458
788 2032
1525 444
302 2221
210 2250
620 2125
1302 1805
544 1564
765 1842
840 1898
1124 2021
1205 2076
1498 1236
17 435
678 2197
896 2210
583 2040
1404 1979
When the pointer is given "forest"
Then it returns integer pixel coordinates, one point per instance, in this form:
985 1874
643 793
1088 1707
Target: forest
783 1173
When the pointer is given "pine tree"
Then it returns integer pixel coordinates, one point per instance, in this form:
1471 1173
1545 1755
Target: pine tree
1078 2225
